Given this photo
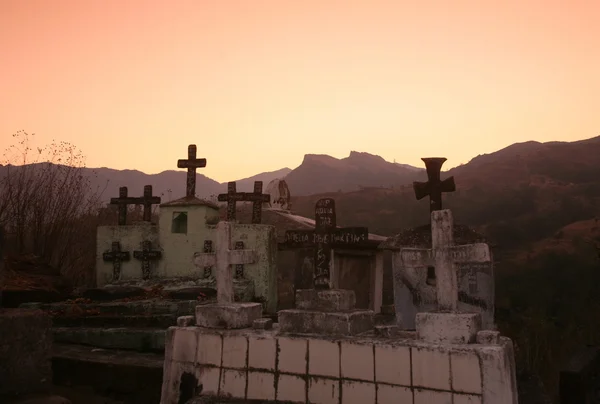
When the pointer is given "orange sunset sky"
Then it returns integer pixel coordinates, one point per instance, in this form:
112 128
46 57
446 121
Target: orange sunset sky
257 84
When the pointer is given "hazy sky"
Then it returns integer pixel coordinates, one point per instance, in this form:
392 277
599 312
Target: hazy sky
257 84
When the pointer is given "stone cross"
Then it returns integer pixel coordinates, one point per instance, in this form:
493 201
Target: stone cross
123 201
148 200
116 256
444 256
146 255
231 197
434 187
222 259
324 238
258 198
192 163
208 248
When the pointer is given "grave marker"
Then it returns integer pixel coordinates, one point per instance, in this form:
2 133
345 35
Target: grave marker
208 248
445 257
324 238
434 187
146 255
147 200
222 259
116 256
192 163
239 268
257 198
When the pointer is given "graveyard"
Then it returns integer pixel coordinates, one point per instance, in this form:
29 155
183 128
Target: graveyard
186 307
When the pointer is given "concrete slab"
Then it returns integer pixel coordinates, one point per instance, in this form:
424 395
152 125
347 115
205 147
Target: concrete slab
228 315
449 328
326 323
137 339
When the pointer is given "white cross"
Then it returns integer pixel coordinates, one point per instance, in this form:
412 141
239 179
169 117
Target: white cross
222 259
443 255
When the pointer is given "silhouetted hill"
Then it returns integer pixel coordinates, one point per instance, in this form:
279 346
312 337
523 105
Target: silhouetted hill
321 173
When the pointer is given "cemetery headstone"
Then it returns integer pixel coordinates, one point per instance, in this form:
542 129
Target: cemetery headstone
192 163
208 248
147 200
324 238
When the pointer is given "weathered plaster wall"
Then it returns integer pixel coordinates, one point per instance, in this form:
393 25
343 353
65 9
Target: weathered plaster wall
263 273
178 248
262 365
130 237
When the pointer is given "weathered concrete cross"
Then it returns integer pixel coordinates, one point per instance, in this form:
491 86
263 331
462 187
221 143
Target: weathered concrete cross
146 255
148 200
222 259
434 186
257 198
442 256
123 201
116 256
192 163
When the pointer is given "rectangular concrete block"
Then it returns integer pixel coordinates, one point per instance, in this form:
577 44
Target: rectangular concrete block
431 368
448 328
262 353
358 392
394 394
230 315
210 349
432 397
323 358
466 372
325 300
392 365
235 351
292 355
261 386
233 384
186 321
467 399
185 345
292 389
323 391
357 361
209 379
325 323
262 324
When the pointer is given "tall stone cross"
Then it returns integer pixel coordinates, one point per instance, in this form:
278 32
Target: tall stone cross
116 256
434 187
192 163
444 257
222 259
146 255
324 238
232 197
124 200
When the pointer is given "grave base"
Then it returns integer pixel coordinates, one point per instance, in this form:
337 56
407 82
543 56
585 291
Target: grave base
449 328
326 323
228 315
325 300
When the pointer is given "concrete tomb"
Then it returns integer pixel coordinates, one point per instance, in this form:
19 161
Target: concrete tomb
415 282
147 254
342 258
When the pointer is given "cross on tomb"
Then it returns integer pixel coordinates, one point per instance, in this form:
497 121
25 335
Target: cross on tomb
148 200
122 201
239 268
231 197
444 256
324 238
222 259
116 256
434 187
146 255
257 198
192 163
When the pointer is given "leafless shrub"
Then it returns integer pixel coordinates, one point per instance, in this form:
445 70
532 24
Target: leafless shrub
48 207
